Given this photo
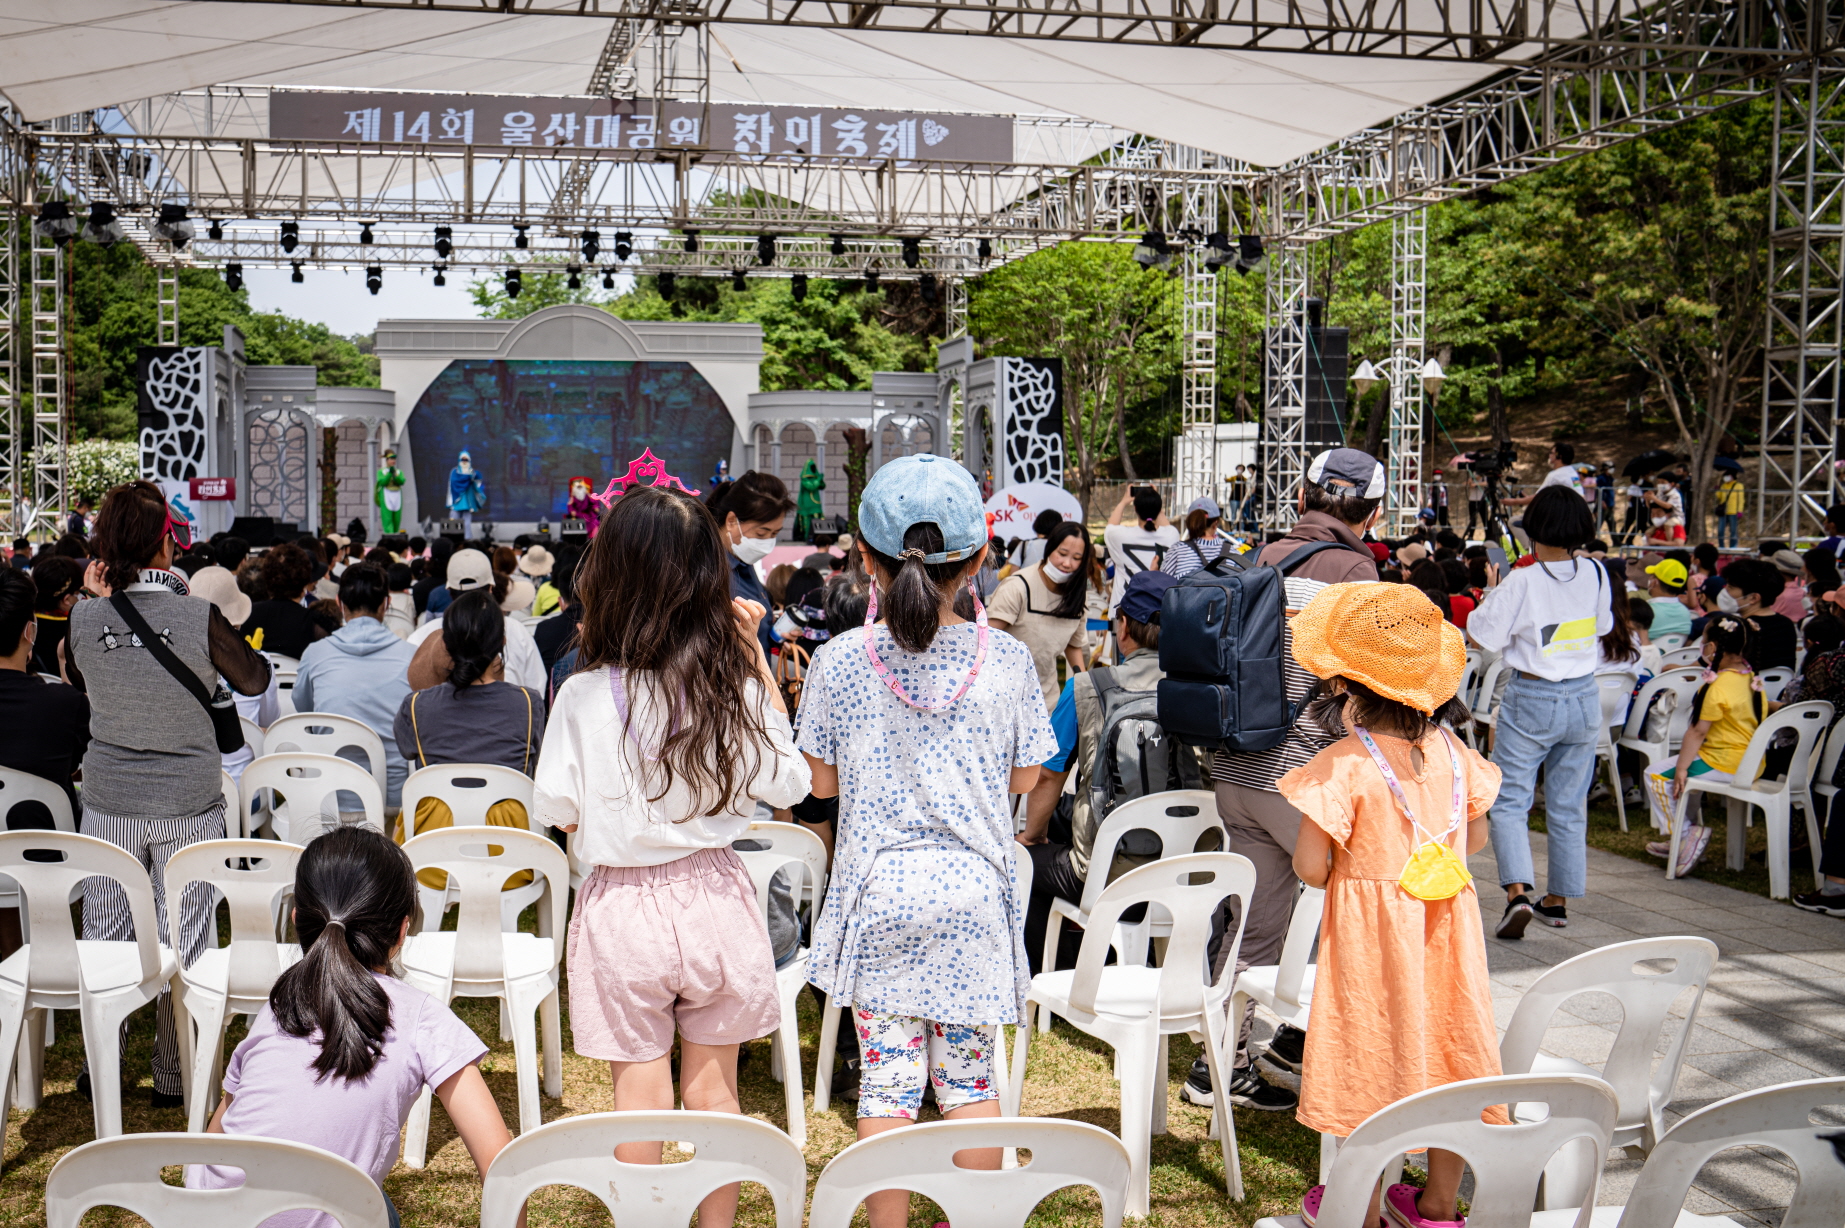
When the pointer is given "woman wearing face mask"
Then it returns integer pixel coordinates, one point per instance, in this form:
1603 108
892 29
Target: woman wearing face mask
753 511
1043 606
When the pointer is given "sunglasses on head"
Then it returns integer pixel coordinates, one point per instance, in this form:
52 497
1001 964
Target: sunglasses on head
179 530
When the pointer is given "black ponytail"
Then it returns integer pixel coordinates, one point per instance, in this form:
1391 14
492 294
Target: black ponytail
1147 505
912 602
353 891
1733 636
474 632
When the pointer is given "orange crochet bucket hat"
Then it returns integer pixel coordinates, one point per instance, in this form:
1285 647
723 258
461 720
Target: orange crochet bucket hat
1390 637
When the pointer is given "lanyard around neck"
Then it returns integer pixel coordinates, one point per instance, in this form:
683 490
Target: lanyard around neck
1456 818
888 679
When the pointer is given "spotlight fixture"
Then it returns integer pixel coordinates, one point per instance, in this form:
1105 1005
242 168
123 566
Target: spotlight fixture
173 226
691 241
592 245
666 283
912 251
520 240
871 280
927 285
291 236
215 231
575 279
296 276
102 229
797 286
1152 251
1365 378
765 249
441 278
445 242
983 249
736 280
839 245
514 283
54 222
1217 251
365 232
624 245
233 277
1249 253
374 278
608 279
1432 377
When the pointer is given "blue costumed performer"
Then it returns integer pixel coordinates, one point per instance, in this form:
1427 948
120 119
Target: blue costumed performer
467 493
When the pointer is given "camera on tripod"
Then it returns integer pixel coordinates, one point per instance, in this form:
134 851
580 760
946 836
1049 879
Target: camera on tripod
1488 462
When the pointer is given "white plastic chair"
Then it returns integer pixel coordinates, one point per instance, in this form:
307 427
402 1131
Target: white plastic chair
1617 692
285 691
253 876
1507 1161
1827 767
1642 1086
252 736
1670 642
1485 705
278 1176
469 790
1774 681
1179 817
478 959
310 785
1776 798
1133 1009
234 825
580 1152
17 788
1779 1118
325 733
787 854
1286 988
920 1158
104 982
1681 658
1683 685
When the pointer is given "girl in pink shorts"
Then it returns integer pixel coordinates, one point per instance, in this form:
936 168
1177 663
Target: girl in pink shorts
657 750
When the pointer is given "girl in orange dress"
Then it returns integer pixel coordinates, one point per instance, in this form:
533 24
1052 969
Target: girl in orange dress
1401 1002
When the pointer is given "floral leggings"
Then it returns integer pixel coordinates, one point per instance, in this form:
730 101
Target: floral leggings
894 1049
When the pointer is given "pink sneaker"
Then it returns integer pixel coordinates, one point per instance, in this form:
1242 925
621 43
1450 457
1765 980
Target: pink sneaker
1400 1202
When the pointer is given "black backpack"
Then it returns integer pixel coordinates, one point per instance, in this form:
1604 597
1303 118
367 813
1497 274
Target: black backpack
1135 756
1220 647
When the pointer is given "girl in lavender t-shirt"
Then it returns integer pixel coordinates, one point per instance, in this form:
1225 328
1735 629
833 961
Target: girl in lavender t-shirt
343 1048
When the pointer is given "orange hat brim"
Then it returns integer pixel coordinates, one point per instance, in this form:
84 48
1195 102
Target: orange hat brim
1389 637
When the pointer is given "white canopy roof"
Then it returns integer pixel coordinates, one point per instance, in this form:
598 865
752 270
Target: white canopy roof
1263 107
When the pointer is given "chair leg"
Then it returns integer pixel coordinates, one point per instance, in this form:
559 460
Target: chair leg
525 1056
1223 1117
210 1017
552 1037
789 1038
1778 819
1137 1055
188 1045
1160 1091
102 1044
1738 838
1614 783
30 1078
823 1061
416 1133
12 1026
1013 1092
1813 845
1329 1151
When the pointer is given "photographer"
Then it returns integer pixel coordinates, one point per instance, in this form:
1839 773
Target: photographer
1562 473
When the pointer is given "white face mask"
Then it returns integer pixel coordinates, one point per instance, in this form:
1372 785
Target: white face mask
753 550
1727 602
1056 575
466 466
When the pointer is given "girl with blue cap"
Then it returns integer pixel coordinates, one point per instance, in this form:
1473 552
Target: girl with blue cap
923 724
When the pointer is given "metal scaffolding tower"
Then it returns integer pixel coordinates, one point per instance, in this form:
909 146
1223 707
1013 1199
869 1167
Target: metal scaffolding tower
166 304
1801 385
1283 457
1196 460
47 465
1409 235
12 403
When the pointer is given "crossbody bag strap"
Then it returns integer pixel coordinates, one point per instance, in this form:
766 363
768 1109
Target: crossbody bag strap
169 660
422 760
527 768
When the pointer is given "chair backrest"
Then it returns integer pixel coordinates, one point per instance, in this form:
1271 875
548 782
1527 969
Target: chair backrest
580 1152
784 841
764 864
1774 681
1177 816
1684 684
1470 674
1779 1117
1190 887
920 1158
1507 1161
1646 996
278 1176
1671 642
47 885
478 863
1483 702
1680 657
1829 756
1303 929
1808 720
327 733
250 874
253 736
18 787
1617 690
1023 869
469 790
309 785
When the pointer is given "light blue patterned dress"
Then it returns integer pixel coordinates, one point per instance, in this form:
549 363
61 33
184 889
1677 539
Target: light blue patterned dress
922 916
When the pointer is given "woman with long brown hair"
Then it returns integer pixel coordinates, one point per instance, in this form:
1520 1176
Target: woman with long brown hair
658 749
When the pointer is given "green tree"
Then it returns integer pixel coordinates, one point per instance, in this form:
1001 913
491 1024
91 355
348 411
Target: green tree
536 291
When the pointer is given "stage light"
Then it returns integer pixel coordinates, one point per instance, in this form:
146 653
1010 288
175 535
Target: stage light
173 226
54 221
233 277
928 287
871 279
365 232
520 240
214 232
798 287
983 249
1249 253
296 276
912 251
839 245
102 229
666 283
624 245
592 245
445 243
1365 378
608 279
1152 251
1217 251
291 236
441 275
575 279
691 241
736 280
514 283
765 249
374 278
1432 377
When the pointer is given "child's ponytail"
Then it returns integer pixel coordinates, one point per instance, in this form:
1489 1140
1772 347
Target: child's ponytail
912 603
353 891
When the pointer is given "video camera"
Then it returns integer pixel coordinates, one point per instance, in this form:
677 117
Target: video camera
1488 462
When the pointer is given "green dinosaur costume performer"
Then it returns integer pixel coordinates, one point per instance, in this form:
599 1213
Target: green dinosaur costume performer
388 488
807 510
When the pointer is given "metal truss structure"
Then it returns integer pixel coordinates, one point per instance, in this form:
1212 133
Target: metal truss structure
1409 238
46 467
1283 457
13 483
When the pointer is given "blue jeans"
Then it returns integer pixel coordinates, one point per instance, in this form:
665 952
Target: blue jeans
1551 725
1727 524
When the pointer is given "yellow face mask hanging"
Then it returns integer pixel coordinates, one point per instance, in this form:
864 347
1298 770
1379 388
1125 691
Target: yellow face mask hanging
1434 871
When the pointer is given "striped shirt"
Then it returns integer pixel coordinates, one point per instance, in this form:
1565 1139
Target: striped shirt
1192 554
1260 769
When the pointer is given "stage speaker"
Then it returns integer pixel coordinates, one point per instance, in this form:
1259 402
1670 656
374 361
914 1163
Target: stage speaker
1328 361
573 532
257 530
450 529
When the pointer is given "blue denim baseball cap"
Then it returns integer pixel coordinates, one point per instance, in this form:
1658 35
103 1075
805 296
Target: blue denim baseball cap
925 489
